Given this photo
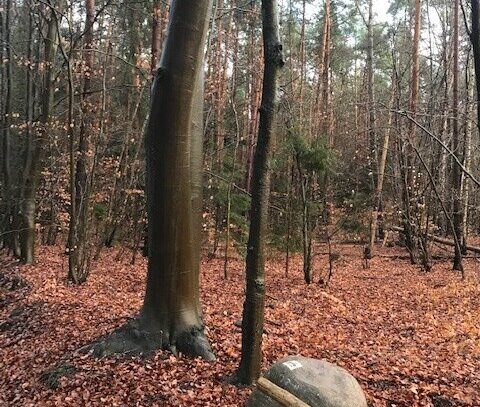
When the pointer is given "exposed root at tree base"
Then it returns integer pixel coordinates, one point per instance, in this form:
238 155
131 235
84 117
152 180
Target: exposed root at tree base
193 342
51 377
133 339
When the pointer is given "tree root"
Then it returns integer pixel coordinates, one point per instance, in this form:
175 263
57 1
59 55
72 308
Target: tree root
134 339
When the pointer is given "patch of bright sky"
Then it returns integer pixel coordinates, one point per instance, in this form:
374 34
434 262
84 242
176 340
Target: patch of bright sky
380 8
381 15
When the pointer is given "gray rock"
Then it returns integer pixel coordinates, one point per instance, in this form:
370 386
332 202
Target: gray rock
315 382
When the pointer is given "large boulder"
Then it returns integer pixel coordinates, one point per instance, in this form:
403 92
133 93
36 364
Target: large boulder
315 382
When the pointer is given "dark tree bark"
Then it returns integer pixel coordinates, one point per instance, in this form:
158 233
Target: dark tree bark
253 309
78 261
304 180
171 317
456 170
475 39
8 233
253 89
324 109
156 34
39 141
467 159
372 135
325 128
409 188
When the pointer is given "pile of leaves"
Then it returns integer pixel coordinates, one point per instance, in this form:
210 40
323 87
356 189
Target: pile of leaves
411 339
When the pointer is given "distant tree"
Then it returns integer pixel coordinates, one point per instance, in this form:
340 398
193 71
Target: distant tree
7 220
456 170
409 188
79 250
36 153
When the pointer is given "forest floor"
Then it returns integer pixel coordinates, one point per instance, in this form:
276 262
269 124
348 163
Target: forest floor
410 338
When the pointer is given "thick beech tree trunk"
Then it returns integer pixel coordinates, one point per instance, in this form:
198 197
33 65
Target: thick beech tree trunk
253 309
174 161
171 316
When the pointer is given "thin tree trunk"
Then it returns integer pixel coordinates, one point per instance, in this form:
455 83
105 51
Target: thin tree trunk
255 97
231 181
381 168
325 127
302 68
322 67
370 74
32 173
409 184
288 215
254 92
467 155
156 35
79 248
254 306
456 170
6 142
372 136
306 232
29 112
475 39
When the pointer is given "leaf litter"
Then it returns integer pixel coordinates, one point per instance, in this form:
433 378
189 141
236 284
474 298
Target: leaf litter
410 338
